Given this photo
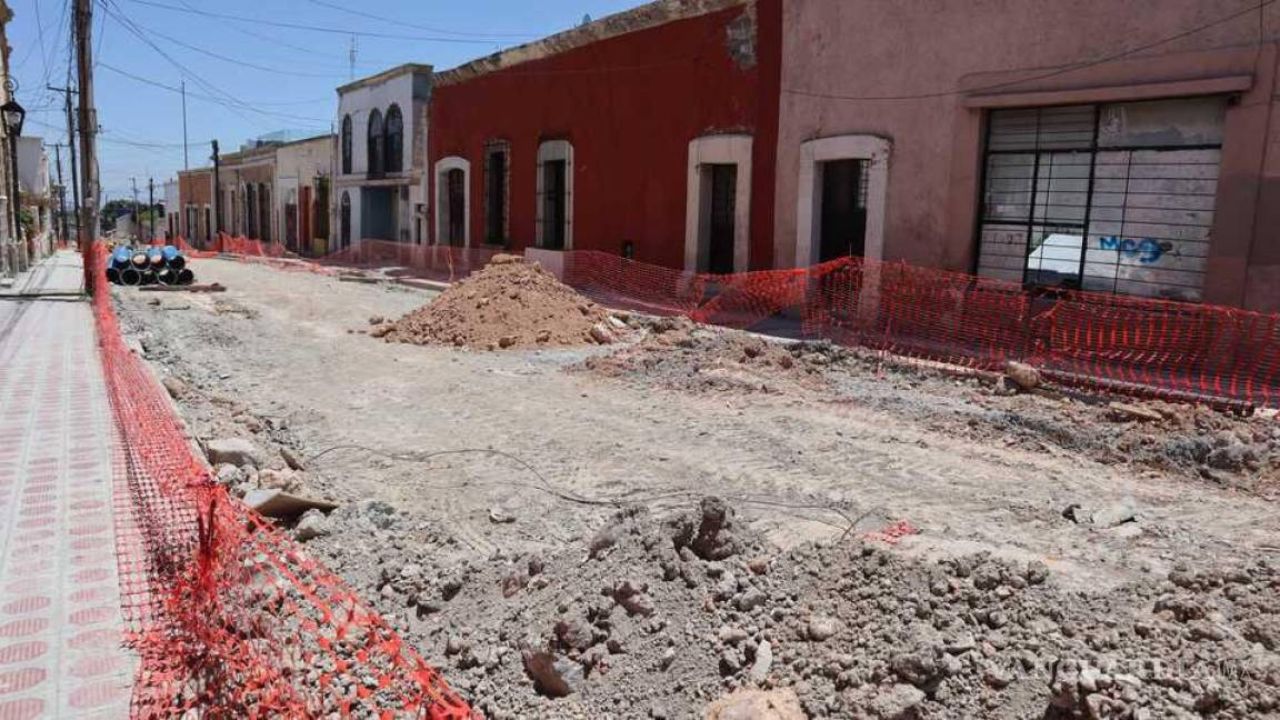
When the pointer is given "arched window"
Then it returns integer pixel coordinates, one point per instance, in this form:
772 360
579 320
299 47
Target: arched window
346 145
555 195
395 140
377 136
344 221
453 201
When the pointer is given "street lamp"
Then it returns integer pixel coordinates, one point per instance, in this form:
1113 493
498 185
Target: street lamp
13 115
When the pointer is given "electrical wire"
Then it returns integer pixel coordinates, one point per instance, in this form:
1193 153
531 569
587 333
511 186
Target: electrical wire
1043 76
403 23
269 39
621 501
243 63
312 28
229 101
199 96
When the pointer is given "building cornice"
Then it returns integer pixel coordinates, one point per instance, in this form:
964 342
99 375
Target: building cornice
646 16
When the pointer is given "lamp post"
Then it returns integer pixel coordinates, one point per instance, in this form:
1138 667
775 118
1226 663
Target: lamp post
14 115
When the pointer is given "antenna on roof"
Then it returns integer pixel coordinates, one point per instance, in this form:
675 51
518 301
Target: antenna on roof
351 57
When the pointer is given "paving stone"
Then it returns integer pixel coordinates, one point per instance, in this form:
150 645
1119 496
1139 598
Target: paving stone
61 627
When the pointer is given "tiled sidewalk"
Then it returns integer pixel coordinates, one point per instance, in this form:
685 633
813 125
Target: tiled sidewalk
61 630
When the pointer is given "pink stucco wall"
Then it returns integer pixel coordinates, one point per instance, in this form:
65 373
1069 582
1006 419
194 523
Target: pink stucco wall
912 68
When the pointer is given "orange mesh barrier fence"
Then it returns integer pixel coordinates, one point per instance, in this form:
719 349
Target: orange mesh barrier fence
231 618
1134 345
1179 349
616 282
442 263
445 263
1116 342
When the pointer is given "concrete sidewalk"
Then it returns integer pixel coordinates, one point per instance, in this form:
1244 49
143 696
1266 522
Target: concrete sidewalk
61 629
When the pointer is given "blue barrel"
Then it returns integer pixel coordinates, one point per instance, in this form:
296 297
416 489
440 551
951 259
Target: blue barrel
170 252
120 257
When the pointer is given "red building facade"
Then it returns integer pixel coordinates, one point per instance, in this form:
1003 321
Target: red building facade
651 133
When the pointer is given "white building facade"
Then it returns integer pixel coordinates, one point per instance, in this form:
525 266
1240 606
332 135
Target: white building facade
304 172
172 209
37 194
380 174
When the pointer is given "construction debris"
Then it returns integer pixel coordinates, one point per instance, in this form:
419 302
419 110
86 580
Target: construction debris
510 304
680 355
1023 375
274 503
193 288
235 451
570 567
847 631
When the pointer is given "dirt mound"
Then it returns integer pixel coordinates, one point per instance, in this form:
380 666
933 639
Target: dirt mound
508 304
660 617
682 355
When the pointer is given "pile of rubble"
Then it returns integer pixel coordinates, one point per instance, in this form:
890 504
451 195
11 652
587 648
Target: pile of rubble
681 355
690 615
509 304
1012 408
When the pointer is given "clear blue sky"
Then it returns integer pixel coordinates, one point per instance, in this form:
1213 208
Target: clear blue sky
292 87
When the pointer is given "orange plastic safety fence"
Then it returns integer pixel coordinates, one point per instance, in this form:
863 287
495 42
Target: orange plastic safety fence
1134 345
231 618
441 263
434 262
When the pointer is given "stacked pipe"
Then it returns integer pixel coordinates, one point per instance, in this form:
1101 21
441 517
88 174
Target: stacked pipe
148 266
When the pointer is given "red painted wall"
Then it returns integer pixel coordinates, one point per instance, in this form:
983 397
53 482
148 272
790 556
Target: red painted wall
629 105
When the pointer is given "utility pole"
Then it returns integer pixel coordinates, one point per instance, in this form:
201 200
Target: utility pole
62 193
83 26
137 213
217 192
151 208
185 164
71 142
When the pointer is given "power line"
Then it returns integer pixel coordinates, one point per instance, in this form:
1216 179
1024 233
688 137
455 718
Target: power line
176 89
200 96
1052 73
394 21
230 102
44 60
242 63
313 28
267 38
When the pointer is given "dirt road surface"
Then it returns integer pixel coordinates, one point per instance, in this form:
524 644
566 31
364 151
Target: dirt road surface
284 357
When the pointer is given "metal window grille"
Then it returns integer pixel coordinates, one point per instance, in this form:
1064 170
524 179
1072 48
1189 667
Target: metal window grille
1116 198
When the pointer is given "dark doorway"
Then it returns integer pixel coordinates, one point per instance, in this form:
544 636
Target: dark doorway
304 219
844 209
251 213
724 189
378 213
495 178
553 204
456 196
208 227
264 213
291 226
321 223
344 221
